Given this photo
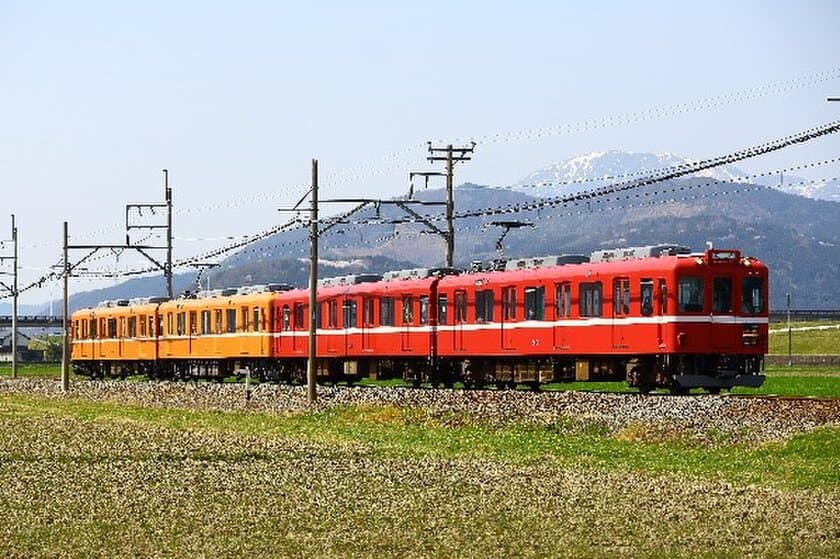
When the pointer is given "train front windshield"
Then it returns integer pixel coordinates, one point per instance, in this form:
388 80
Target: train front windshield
752 296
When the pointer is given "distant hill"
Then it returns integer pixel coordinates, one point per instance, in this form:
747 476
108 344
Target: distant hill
799 238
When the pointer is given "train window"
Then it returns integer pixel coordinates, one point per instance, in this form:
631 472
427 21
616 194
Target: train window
205 322
256 315
752 296
424 309
563 300
193 323
690 294
230 315
132 326
319 312
407 309
621 296
460 306
484 305
386 311
170 328
159 325
535 303
442 304
299 312
121 331
509 303
367 311
646 291
286 318
182 323
350 311
332 313
245 326
722 295
92 328
591 299
112 328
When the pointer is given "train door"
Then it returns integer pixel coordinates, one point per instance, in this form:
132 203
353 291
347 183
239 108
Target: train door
284 327
508 316
660 309
621 312
647 308
192 330
297 342
333 342
460 320
367 323
351 320
258 325
217 331
244 327
407 320
91 346
562 312
722 313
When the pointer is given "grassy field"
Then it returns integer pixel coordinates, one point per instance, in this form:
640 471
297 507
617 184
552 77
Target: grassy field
807 342
86 479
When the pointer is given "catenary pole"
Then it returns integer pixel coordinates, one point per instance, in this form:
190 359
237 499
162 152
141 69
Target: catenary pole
311 370
65 322
168 271
14 299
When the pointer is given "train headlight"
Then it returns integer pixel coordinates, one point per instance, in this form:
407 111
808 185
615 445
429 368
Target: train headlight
749 335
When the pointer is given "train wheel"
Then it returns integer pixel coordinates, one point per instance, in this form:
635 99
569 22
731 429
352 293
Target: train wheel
678 390
501 385
713 390
645 388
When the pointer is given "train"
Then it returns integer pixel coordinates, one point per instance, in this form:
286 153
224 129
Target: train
659 316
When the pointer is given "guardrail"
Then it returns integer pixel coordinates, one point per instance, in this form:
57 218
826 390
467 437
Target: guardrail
806 314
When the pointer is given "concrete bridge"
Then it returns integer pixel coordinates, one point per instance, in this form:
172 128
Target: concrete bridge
38 321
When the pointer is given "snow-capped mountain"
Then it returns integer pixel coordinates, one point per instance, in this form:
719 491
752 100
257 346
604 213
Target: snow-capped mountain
588 171
592 170
814 189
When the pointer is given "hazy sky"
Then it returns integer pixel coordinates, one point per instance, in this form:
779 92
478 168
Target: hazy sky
235 98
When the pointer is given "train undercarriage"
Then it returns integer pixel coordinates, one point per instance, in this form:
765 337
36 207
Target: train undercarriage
676 372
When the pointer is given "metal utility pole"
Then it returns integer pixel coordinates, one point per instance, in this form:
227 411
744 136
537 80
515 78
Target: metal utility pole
117 249
451 156
14 299
65 321
13 291
790 333
311 368
132 212
168 267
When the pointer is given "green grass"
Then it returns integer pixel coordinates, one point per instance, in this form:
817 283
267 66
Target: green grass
91 479
808 342
398 432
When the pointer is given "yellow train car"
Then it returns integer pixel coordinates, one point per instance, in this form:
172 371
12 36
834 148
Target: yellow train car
212 334
115 338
